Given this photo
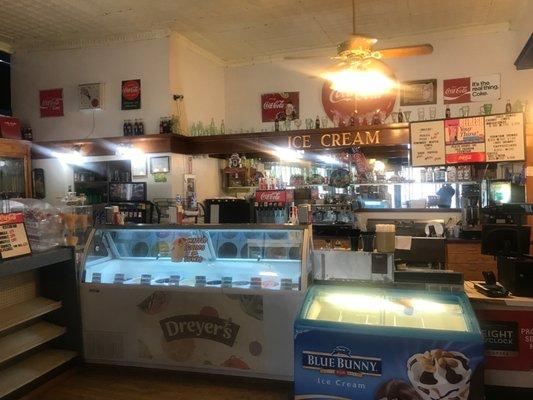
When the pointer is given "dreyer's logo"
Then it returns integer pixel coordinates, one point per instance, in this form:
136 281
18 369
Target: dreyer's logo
341 362
201 327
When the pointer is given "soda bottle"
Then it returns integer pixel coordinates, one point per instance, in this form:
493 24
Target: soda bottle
141 127
125 128
508 107
222 128
161 125
400 115
276 125
317 123
135 128
448 113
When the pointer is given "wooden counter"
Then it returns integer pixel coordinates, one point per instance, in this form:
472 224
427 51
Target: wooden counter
465 256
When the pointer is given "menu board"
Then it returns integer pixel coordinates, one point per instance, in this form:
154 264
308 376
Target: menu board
490 138
427 143
465 140
504 137
13 238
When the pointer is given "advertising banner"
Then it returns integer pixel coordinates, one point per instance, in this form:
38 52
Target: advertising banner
280 106
340 365
465 140
131 94
475 88
51 103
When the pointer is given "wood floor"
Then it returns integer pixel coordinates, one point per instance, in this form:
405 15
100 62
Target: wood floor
117 383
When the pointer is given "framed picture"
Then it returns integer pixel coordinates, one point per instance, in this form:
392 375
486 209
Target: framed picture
418 93
160 165
138 167
280 106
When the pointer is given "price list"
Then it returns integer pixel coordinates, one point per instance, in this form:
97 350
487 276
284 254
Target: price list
505 137
13 238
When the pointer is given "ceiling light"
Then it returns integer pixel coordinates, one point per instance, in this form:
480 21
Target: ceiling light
362 78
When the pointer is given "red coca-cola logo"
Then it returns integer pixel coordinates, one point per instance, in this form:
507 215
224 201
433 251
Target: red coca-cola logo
456 90
276 104
270 196
51 104
131 90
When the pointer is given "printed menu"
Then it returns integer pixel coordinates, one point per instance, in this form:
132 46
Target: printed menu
427 143
490 138
13 238
504 137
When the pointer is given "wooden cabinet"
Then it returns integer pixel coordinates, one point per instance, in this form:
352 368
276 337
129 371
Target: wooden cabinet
15 168
467 258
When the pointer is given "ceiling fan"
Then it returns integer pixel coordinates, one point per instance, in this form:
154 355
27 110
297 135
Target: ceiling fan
358 48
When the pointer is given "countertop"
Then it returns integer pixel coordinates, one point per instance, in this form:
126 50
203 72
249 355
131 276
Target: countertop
512 301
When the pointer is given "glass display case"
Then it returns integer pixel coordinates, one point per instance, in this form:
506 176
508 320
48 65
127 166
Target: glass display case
208 256
213 298
427 345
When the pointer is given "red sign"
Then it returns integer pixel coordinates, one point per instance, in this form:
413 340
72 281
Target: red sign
10 128
51 103
465 140
11 218
456 90
508 338
345 105
131 94
274 196
280 105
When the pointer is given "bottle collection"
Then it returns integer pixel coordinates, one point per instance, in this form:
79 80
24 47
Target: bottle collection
133 127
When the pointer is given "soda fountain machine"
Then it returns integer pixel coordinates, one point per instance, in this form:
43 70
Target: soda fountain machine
273 206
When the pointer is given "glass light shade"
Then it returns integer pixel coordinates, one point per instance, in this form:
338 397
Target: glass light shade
371 78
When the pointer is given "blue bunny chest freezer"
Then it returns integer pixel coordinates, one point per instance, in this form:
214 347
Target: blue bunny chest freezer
385 344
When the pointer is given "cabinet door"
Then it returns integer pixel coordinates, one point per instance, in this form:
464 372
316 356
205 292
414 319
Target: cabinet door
12 177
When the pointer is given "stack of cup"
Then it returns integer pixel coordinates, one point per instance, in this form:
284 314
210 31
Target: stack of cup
385 238
200 281
255 282
286 284
226 281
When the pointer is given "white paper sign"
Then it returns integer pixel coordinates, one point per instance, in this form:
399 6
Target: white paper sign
427 143
504 137
484 88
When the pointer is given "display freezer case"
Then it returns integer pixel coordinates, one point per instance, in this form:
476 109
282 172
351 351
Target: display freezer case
387 343
213 298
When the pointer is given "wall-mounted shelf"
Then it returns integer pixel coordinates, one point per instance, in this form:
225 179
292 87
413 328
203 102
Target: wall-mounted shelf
24 340
28 370
26 311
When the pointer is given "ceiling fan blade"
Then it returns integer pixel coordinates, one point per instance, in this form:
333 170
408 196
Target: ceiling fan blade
406 51
304 57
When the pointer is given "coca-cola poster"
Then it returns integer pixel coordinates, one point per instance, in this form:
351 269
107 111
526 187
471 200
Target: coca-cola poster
131 94
280 106
345 105
51 103
475 88
465 140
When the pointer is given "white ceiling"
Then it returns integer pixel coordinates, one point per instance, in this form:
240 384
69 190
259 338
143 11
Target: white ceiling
242 30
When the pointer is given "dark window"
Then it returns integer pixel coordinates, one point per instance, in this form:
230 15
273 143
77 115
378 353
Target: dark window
5 83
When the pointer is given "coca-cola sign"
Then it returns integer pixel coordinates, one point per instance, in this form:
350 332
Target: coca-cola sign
51 103
131 94
274 196
280 106
475 88
10 128
345 105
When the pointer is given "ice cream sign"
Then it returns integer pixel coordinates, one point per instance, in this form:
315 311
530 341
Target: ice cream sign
475 88
341 363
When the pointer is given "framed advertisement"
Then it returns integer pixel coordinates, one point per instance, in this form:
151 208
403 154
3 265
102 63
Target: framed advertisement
160 165
138 167
279 106
472 88
418 93
131 94
51 103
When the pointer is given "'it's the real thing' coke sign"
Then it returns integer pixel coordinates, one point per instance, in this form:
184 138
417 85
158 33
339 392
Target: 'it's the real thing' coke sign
474 88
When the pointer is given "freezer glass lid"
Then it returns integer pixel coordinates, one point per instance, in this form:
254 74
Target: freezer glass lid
387 308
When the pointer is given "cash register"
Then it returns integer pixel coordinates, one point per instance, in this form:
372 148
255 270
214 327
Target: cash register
506 238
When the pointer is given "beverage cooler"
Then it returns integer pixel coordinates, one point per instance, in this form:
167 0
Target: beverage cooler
211 298
387 343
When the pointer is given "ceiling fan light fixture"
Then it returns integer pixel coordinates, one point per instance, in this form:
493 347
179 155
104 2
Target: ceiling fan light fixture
361 81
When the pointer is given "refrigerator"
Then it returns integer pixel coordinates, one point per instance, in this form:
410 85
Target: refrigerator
385 343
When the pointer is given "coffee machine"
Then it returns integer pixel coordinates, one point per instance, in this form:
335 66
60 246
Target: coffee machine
471 211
